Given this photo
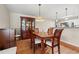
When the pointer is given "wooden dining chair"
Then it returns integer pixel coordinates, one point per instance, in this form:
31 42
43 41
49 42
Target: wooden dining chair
55 41
36 30
50 31
37 40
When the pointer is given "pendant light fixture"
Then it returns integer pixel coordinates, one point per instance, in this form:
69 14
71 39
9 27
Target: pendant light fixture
66 10
39 18
56 19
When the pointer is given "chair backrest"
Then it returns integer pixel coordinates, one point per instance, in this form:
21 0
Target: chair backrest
37 30
57 33
50 31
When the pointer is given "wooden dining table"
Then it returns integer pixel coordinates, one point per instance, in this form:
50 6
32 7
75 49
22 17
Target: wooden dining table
43 36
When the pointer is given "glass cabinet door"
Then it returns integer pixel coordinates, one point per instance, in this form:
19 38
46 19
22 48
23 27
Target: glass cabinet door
23 24
33 25
28 24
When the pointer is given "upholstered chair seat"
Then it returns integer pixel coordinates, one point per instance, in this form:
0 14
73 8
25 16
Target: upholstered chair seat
37 41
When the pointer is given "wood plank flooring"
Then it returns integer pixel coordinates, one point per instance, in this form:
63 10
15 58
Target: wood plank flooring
23 47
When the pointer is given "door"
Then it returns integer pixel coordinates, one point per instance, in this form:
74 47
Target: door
23 28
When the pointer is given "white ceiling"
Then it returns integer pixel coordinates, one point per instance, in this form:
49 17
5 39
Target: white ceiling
47 10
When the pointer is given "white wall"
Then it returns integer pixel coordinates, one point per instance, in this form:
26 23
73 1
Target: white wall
15 20
4 17
44 25
71 36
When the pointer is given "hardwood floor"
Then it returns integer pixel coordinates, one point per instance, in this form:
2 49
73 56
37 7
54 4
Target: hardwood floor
23 47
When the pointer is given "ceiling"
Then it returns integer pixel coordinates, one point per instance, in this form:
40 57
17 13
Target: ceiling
47 10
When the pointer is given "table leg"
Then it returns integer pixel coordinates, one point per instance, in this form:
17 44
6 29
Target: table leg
52 46
33 44
42 46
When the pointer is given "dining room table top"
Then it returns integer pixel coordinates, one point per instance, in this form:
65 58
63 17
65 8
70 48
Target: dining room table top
43 34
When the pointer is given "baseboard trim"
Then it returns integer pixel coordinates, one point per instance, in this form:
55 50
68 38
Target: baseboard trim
69 46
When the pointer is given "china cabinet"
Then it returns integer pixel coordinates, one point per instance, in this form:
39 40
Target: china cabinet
27 26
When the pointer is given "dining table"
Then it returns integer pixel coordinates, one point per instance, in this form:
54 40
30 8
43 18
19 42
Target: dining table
42 36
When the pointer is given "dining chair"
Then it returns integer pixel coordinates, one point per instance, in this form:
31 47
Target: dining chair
36 30
50 31
55 41
37 40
